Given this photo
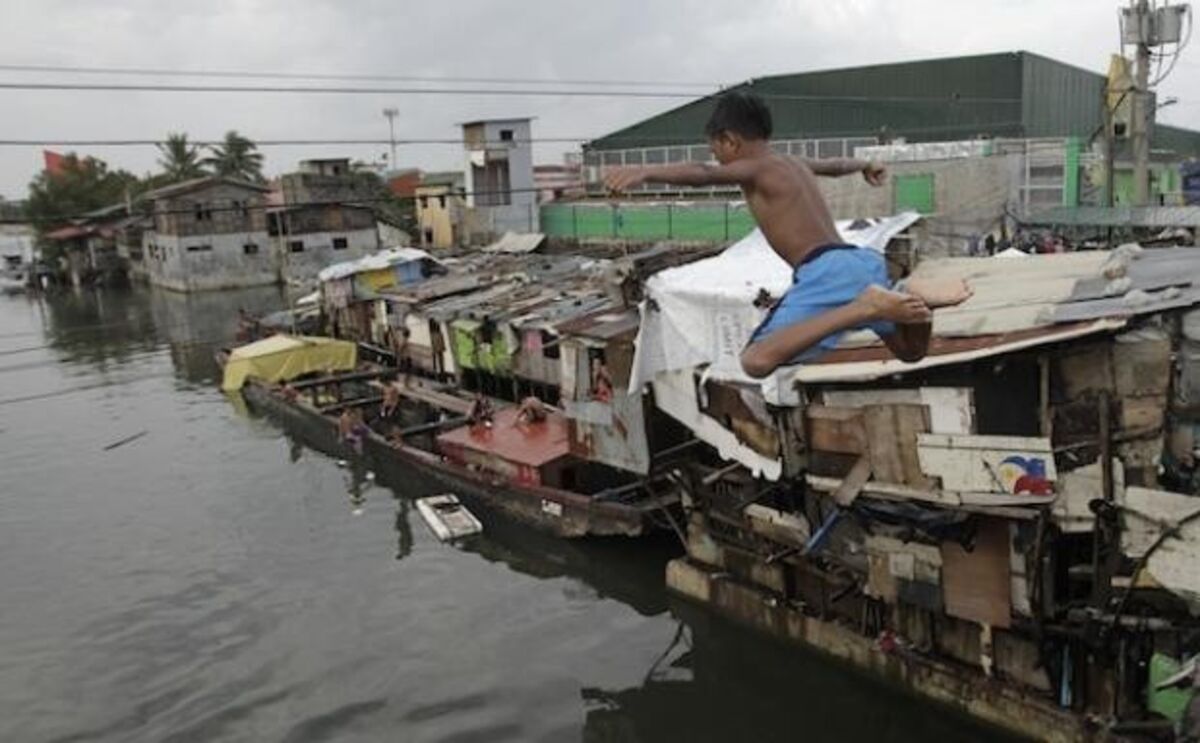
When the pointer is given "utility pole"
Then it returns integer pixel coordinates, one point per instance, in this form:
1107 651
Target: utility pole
1141 107
391 114
1144 24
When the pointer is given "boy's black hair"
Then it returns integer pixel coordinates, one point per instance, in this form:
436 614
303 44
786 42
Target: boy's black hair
741 113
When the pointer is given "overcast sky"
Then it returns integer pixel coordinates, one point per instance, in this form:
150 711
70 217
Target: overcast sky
711 42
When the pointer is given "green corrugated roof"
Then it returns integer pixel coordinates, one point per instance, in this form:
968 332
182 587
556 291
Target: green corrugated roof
1011 94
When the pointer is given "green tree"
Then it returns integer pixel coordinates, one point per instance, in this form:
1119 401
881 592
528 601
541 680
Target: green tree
180 161
81 185
236 157
388 207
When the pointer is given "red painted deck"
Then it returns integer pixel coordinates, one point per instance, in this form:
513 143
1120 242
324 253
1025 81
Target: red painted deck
532 445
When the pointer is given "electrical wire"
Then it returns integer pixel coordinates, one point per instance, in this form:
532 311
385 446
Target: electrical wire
252 74
666 141
567 92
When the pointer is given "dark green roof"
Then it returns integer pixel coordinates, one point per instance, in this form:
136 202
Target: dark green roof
1011 94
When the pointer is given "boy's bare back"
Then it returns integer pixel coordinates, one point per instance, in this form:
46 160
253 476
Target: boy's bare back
788 205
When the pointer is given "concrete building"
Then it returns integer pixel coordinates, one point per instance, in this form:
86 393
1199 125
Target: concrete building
441 210
499 174
828 113
318 222
975 144
209 233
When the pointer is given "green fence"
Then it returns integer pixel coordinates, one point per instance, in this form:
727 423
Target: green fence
712 222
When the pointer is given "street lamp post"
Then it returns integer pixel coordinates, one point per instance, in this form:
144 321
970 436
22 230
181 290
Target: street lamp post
391 114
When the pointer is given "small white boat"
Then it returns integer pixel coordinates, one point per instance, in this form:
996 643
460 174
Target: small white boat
447 517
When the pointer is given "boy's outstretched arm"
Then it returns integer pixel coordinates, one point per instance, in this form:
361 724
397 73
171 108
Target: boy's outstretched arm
836 167
738 173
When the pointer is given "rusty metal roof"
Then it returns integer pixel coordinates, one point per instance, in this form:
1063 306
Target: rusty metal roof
533 444
604 325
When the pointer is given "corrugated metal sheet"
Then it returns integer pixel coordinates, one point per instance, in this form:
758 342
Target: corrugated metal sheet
1013 94
1058 99
994 77
617 438
1183 142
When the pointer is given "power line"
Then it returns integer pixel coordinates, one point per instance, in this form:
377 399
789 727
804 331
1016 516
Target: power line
330 90
664 140
279 142
244 74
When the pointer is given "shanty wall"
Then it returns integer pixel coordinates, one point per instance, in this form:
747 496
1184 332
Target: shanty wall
612 431
304 255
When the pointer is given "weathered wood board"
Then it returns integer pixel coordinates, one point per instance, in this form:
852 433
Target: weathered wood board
988 464
893 433
1174 564
951 409
977 585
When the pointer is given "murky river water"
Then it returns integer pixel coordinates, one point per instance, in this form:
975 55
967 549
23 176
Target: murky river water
214 580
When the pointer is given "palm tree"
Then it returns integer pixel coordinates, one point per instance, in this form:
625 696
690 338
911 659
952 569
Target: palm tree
180 161
236 157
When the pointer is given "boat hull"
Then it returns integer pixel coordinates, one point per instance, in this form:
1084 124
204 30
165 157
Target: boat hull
560 512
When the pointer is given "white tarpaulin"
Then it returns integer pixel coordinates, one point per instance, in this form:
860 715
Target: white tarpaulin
373 262
704 312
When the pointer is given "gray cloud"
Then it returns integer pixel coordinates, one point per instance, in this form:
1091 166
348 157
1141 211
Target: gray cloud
618 39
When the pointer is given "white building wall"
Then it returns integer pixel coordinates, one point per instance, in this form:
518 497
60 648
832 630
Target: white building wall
520 160
319 252
226 265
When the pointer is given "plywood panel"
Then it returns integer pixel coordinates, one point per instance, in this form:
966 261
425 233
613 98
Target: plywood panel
951 409
836 429
977 585
892 437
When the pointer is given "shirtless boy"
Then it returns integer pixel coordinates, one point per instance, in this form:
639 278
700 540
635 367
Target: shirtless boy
835 287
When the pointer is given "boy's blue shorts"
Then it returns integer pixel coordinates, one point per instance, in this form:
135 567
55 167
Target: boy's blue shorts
833 277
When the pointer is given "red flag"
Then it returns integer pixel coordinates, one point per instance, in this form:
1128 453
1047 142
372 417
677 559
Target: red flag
54 162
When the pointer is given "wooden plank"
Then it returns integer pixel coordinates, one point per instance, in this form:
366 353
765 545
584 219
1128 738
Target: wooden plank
1142 363
951 409
995 464
977 585
1019 592
892 440
892 492
785 528
1005 499
1143 412
853 483
836 429
1086 371
896 569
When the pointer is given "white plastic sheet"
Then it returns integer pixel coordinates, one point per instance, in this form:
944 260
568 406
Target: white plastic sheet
704 313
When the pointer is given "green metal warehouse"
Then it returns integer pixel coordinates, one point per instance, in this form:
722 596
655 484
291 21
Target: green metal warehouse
1012 94
1012 98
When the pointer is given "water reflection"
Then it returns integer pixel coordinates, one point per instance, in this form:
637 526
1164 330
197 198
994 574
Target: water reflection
717 682
404 535
106 328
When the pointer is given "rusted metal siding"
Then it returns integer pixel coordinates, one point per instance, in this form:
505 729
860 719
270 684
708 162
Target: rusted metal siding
612 433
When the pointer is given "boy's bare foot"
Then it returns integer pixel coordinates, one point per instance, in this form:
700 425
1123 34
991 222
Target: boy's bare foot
883 304
939 292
